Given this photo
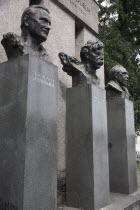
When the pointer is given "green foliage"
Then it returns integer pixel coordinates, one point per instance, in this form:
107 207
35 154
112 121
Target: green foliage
138 166
119 29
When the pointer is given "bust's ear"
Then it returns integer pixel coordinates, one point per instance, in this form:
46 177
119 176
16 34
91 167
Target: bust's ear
116 74
26 20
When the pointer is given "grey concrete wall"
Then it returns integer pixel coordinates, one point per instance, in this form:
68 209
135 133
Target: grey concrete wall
84 10
61 38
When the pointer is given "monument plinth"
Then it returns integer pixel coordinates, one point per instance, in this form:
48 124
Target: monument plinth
121 133
28 91
122 155
87 172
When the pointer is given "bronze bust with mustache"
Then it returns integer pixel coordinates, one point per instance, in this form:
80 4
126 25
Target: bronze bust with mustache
117 87
84 71
35 26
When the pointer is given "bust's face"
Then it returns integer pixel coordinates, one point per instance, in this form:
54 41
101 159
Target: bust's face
122 76
39 25
96 58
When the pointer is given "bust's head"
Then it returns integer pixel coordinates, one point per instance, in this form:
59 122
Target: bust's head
36 22
119 74
92 53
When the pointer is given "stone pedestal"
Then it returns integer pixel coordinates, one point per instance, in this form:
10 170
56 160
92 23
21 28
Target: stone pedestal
87 175
122 155
28 174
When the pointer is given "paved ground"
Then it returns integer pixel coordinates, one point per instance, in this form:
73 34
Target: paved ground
125 202
119 201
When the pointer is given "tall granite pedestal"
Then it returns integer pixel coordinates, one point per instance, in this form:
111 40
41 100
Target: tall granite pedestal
87 183
122 155
28 180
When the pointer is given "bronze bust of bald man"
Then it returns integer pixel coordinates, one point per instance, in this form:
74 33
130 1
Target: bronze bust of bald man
35 27
117 87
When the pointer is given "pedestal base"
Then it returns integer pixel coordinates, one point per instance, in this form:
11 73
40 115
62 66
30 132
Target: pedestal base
87 182
28 167
122 154
124 202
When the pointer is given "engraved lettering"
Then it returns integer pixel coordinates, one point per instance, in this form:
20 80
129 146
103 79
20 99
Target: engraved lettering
43 79
83 8
98 99
7 205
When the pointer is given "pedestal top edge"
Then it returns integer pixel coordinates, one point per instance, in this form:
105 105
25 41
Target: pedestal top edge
24 56
119 99
87 85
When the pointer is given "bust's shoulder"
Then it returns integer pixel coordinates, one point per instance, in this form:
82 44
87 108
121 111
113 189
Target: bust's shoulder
114 86
13 45
10 38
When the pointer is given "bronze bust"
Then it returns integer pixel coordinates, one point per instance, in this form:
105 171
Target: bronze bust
117 87
35 26
84 71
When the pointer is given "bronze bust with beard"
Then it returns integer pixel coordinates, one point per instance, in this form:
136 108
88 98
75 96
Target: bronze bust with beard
117 87
35 26
84 71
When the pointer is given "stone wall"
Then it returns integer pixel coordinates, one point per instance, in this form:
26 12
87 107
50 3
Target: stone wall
68 33
61 39
10 14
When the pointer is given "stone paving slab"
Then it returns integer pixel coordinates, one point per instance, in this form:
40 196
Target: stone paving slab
125 202
120 201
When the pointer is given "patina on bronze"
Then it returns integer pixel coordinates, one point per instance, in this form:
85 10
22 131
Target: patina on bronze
117 87
35 27
84 71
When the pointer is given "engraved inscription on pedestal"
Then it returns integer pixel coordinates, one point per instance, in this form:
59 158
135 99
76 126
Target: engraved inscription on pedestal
43 79
98 100
7 205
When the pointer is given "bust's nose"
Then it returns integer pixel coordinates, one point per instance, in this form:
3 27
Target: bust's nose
127 76
47 26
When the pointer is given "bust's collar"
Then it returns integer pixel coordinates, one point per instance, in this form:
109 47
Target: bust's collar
115 86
